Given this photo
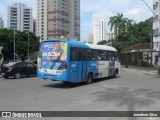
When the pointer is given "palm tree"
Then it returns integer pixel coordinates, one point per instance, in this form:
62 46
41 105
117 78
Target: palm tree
113 23
120 25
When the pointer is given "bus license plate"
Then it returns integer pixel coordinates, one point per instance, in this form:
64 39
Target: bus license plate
50 77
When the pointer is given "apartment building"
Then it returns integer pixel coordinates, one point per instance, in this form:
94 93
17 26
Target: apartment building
20 17
156 31
110 36
57 18
98 31
34 26
90 38
1 23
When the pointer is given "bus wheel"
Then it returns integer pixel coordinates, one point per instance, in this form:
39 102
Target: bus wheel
89 79
115 73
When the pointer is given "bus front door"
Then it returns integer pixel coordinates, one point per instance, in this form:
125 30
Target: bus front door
111 64
82 63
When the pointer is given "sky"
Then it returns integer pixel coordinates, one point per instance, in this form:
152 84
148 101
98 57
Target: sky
94 10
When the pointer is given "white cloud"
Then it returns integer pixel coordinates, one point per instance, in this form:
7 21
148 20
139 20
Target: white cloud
96 9
93 5
133 12
104 9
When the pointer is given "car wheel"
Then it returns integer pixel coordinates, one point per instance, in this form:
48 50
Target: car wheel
17 75
89 79
6 77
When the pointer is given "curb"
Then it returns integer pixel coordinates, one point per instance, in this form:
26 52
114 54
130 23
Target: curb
151 73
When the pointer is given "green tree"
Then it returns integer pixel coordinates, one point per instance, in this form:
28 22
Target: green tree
21 39
127 34
103 42
140 33
119 23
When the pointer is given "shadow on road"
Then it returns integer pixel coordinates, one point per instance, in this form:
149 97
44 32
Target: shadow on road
126 97
74 85
104 79
12 78
64 85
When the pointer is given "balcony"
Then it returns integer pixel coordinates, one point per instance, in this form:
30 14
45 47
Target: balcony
156 24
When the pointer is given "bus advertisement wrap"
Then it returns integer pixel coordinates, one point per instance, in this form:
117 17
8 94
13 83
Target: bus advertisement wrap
52 53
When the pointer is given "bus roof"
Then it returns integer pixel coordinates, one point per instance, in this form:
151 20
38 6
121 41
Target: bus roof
85 45
101 47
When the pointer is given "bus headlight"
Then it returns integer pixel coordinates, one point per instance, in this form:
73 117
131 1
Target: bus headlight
39 62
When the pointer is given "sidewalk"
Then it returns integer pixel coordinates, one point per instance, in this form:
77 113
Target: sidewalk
151 72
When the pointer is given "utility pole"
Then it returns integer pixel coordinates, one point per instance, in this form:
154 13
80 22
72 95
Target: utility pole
28 45
14 38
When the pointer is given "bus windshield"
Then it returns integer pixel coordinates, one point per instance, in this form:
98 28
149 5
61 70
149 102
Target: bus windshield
52 52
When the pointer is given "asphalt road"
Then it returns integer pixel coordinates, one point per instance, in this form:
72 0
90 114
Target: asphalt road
130 91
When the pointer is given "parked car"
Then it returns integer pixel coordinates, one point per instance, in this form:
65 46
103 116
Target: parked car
18 69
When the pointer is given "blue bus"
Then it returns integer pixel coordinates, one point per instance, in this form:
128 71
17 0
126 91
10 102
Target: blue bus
73 61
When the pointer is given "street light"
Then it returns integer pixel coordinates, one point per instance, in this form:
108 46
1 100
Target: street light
152 38
28 45
14 37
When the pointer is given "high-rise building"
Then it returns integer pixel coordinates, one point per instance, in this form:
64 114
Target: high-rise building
98 31
110 36
90 38
20 17
156 31
57 18
1 23
34 26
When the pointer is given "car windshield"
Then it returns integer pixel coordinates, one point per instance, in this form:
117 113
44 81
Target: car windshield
10 64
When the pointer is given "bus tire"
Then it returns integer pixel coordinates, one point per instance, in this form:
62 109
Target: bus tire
114 75
89 78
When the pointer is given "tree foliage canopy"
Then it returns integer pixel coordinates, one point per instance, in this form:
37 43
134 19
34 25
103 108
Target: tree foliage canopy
21 40
127 34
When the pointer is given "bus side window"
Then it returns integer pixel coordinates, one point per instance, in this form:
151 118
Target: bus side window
110 55
107 55
73 54
117 57
103 55
113 56
89 55
96 55
81 54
